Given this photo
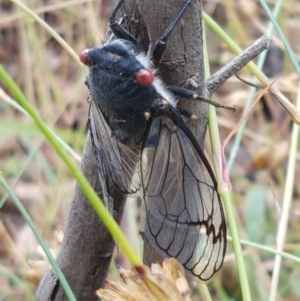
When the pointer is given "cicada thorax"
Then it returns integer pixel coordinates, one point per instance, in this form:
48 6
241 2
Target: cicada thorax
122 88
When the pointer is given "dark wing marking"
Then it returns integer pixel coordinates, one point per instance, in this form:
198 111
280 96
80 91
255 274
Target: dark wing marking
117 163
185 218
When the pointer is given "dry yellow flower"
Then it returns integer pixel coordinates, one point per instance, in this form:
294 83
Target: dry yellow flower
161 283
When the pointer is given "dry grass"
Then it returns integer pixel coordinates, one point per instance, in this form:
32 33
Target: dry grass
54 83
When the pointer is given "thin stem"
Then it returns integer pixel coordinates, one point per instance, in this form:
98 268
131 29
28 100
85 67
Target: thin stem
225 193
237 64
287 199
224 189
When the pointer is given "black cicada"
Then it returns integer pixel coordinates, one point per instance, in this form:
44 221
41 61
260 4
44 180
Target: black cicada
142 143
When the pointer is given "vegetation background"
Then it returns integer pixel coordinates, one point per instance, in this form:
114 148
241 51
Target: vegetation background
54 83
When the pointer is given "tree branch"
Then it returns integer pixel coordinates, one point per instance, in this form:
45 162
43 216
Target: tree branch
237 64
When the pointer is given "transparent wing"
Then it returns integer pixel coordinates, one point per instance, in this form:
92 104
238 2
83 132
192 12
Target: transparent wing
117 163
185 217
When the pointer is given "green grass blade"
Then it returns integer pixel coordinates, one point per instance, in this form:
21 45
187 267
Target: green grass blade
224 189
88 191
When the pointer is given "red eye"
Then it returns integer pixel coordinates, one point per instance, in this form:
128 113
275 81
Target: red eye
145 77
83 56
